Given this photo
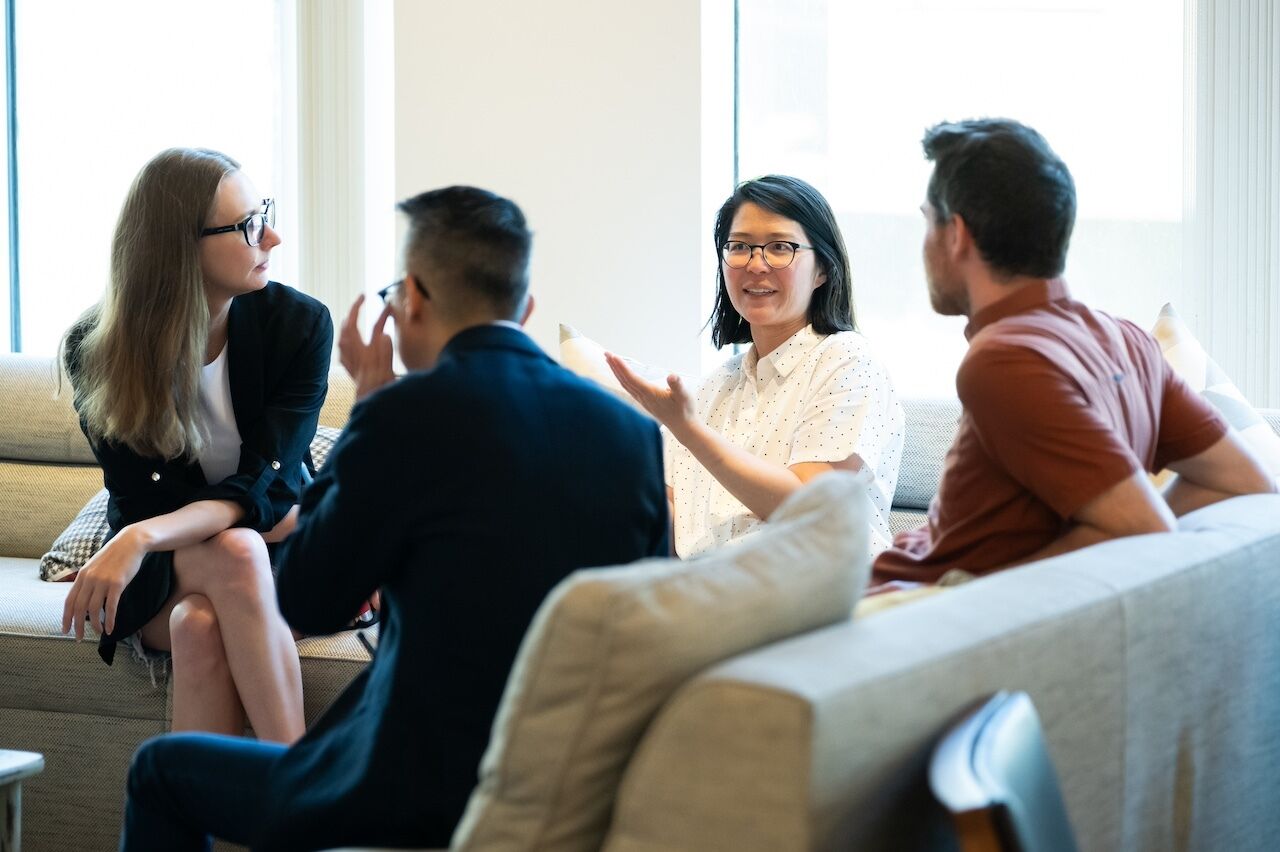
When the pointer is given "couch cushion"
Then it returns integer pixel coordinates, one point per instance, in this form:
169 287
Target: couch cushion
88 529
33 394
609 645
1151 659
1189 359
38 500
338 402
582 355
41 669
931 429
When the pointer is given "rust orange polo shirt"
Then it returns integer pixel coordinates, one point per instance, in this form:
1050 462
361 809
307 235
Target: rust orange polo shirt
1060 403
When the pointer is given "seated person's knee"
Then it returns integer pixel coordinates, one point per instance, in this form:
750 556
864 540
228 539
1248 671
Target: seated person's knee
243 555
194 630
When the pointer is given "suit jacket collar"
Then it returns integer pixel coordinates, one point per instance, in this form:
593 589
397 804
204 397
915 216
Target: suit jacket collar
492 336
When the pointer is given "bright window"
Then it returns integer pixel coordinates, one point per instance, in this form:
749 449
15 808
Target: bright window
103 87
840 93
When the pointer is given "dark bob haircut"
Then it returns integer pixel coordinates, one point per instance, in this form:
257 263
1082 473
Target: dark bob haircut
831 308
1013 192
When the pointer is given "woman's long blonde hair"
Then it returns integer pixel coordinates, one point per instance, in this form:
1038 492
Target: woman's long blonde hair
134 358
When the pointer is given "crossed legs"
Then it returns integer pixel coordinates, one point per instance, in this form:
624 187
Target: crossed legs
233 654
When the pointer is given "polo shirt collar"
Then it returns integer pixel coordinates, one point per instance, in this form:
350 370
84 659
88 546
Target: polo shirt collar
1019 301
786 357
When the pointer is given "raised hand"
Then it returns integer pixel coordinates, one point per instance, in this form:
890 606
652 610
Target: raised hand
368 363
671 406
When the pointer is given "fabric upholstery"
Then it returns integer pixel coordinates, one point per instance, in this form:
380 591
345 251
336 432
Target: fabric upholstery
88 529
75 545
1154 694
33 394
1185 354
38 500
56 696
338 402
931 428
608 646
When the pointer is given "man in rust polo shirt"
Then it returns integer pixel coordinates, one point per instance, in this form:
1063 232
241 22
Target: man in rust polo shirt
1066 409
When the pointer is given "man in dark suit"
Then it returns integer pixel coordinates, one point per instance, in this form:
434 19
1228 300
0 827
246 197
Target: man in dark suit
464 492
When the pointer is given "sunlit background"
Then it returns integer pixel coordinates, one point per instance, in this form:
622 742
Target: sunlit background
840 93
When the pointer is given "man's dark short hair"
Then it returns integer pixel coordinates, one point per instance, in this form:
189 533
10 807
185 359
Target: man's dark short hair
831 308
1013 192
472 244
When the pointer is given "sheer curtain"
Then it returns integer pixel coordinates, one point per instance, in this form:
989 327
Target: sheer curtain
1232 189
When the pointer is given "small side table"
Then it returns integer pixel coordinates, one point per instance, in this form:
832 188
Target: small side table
14 766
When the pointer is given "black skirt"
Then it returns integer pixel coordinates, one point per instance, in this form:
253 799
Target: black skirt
145 596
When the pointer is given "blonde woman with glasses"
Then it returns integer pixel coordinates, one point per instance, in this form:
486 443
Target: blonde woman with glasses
199 382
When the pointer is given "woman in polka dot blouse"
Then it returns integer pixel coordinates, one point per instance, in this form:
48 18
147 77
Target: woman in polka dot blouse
808 396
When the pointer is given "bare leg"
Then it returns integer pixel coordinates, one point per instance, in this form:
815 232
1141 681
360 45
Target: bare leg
204 694
232 573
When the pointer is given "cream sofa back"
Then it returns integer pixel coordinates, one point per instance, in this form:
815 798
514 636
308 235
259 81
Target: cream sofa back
47 471
1151 660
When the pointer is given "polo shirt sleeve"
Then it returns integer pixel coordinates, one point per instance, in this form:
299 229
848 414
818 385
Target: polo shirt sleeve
1034 421
1189 424
850 409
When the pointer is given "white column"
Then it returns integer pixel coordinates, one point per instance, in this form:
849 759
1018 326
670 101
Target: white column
1232 189
331 160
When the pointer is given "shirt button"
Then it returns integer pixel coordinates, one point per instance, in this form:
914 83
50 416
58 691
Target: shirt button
155 476
275 465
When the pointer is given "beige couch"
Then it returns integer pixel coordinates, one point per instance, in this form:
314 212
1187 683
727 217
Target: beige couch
1151 660
56 696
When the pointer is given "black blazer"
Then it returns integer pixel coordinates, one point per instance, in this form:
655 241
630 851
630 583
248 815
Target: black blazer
280 343
464 493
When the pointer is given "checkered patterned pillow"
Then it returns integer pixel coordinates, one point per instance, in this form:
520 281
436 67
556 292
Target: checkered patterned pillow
79 541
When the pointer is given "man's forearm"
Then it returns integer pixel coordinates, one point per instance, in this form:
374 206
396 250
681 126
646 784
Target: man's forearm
1078 537
1184 496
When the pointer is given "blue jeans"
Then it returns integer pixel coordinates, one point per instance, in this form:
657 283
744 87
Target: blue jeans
185 787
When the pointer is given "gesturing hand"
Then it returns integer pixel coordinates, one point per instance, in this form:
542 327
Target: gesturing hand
368 363
671 406
100 583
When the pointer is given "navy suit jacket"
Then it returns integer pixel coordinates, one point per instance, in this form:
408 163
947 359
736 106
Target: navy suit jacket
465 494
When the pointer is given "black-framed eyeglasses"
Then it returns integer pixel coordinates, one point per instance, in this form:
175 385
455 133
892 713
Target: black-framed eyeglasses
777 254
385 292
252 227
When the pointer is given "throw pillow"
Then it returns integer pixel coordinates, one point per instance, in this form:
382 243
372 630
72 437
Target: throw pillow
86 532
77 543
583 356
609 645
1189 360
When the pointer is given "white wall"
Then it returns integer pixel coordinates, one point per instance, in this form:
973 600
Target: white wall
586 114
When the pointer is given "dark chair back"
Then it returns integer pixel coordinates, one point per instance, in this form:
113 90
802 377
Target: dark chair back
992 772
